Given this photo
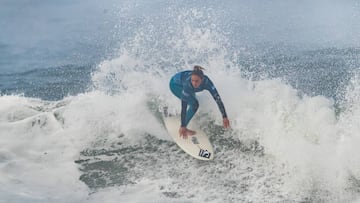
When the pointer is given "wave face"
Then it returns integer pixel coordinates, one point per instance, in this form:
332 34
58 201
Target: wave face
91 133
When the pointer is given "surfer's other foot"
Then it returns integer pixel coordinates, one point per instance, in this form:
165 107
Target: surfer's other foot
184 132
190 132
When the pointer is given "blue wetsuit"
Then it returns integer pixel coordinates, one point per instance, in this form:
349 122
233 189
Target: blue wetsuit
180 85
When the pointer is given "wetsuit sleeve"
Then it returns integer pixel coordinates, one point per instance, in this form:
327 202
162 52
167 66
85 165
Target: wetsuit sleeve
184 103
183 113
214 93
187 97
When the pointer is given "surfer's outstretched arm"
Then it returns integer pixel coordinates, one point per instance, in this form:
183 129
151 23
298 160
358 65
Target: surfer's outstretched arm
217 98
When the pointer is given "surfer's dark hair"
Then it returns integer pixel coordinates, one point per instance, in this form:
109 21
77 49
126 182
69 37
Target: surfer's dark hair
198 70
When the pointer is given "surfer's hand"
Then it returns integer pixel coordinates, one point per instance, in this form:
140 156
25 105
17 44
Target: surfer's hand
183 132
226 122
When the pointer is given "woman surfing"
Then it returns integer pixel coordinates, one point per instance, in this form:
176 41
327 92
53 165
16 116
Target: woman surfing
184 85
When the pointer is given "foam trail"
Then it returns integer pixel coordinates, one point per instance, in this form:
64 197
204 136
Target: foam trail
42 139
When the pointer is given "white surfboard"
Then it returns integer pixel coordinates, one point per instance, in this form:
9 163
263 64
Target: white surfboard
198 145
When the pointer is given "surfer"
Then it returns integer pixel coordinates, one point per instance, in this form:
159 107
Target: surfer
184 85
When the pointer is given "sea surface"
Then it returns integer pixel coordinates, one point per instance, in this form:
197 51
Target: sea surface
83 85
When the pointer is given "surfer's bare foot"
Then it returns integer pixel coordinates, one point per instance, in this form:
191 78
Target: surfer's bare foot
190 132
184 132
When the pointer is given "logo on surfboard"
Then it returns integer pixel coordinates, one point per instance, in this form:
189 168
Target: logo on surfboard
204 153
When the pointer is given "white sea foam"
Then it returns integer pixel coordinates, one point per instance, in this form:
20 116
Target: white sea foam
41 140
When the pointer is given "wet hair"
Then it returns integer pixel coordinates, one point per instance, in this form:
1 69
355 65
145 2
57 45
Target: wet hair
198 70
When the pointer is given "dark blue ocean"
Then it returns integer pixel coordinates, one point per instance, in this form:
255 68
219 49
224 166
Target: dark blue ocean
83 83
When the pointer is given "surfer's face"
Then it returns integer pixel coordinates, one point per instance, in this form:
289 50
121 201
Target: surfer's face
195 81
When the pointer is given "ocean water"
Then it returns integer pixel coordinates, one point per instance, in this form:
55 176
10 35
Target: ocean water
82 85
